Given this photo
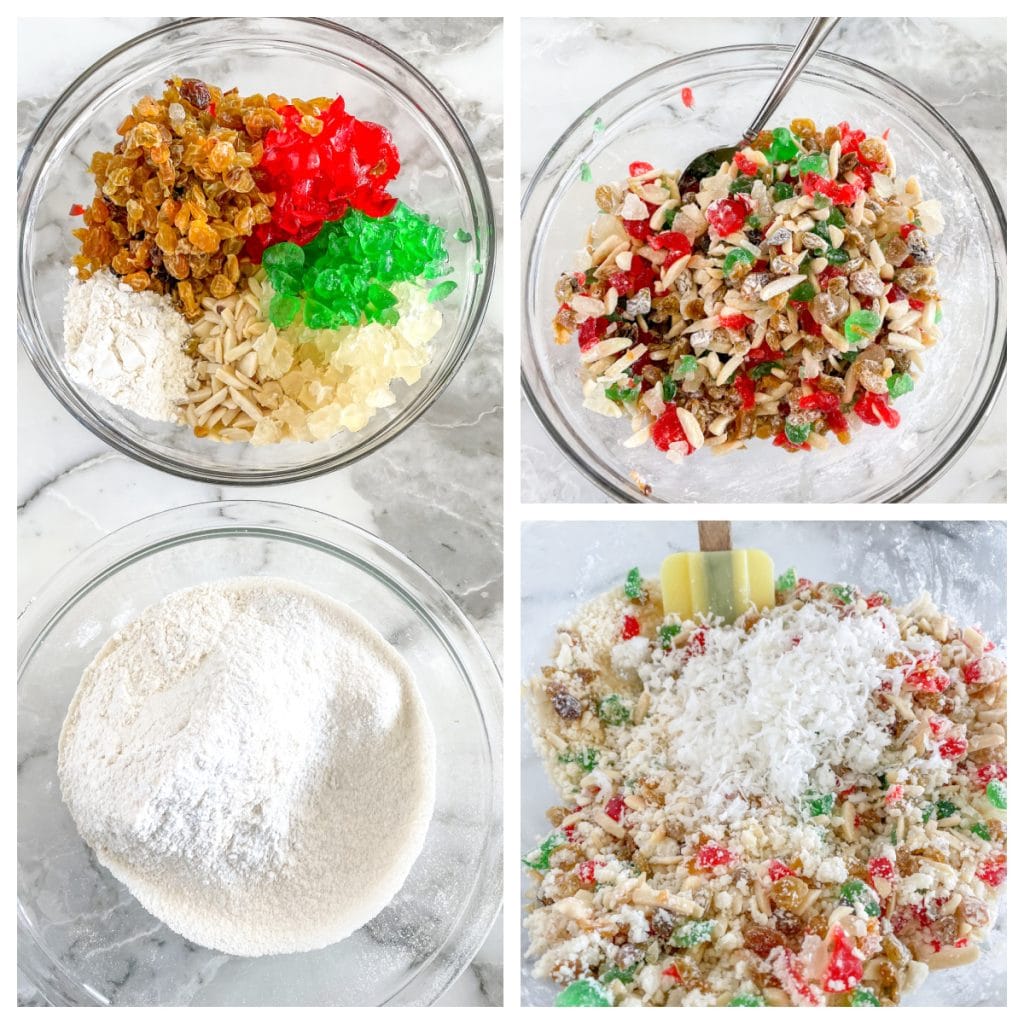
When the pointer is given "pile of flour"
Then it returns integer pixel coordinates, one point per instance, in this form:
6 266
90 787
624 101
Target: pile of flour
127 346
253 760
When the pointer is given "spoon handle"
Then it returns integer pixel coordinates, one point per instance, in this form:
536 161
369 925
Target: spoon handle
812 39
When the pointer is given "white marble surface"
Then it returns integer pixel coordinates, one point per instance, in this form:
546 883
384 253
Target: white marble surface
435 492
958 64
961 564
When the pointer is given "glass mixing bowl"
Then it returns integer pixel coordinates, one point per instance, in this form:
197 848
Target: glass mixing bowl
84 940
441 175
961 564
644 119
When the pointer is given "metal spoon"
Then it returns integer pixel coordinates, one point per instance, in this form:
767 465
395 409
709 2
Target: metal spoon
709 162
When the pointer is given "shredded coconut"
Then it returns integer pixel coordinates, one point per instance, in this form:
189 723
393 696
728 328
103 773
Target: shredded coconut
127 346
766 713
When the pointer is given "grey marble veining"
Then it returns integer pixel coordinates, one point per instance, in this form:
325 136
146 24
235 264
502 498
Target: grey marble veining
435 492
963 565
958 65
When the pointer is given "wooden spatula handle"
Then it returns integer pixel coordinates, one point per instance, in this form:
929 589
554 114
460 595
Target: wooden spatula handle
715 535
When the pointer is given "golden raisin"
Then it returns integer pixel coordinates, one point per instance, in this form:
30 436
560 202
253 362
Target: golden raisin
203 237
311 125
803 128
789 893
221 287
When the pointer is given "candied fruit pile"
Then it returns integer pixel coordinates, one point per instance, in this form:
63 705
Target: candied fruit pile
268 223
319 163
346 271
176 198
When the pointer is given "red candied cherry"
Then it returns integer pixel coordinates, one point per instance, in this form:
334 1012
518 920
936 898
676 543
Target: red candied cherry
746 389
630 627
953 749
745 165
727 215
993 871
711 856
972 672
667 429
882 867
926 677
639 167
777 870
592 331
844 968
615 807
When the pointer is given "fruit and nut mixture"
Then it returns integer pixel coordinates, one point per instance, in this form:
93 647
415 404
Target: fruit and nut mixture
788 295
807 807
268 225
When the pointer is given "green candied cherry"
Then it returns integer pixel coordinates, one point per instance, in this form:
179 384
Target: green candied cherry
899 384
861 325
634 586
462 235
668 388
763 369
584 992
855 893
784 147
787 581
863 997
781 190
667 633
797 433
803 292
746 999
996 793
692 933
585 173
612 710
813 163
586 759
844 593
818 804
734 257
741 183
981 831
620 392
686 367
945 809
542 860
618 974
283 310
441 291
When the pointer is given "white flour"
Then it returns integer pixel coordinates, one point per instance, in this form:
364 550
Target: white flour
127 346
253 761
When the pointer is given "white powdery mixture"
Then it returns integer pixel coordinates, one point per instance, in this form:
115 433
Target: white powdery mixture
127 346
252 759
767 712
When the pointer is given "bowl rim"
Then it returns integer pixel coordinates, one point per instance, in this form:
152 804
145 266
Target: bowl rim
107 432
621 492
337 537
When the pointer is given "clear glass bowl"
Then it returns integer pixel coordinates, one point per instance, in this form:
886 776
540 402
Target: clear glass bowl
84 940
961 564
441 175
645 119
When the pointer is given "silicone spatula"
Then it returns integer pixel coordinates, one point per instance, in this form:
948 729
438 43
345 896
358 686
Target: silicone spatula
717 580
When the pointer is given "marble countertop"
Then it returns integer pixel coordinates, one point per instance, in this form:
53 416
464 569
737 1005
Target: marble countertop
435 492
958 64
961 564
